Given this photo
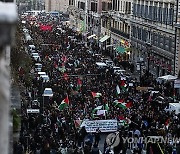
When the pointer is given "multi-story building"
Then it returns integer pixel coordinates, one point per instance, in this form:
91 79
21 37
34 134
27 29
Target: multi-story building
153 35
57 5
120 26
89 16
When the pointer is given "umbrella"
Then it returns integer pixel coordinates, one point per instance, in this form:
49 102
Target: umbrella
167 77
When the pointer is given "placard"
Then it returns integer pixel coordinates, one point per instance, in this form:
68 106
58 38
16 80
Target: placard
103 125
32 110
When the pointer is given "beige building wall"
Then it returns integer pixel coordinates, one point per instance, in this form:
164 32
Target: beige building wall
56 5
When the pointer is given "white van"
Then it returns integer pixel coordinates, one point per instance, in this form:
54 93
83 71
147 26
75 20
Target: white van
31 47
45 78
48 92
101 65
41 73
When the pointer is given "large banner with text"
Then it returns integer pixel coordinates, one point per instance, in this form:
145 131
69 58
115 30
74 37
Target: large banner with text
103 125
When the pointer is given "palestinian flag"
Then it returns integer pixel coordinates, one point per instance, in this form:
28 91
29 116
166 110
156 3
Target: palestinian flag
120 103
94 94
95 110
64 104
116 102
65 76
123 85
79 84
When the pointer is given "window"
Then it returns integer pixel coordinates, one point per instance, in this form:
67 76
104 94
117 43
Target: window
118 5
150 12
138 10
155 39
109 6
171 15
135 32
165 13
83 5
114 4
155 13
134 10
93 6
173 46
103 6
160 13
166 43
146 11
139 33
142 10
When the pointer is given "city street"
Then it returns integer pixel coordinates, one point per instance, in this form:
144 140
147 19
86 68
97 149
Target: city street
76 93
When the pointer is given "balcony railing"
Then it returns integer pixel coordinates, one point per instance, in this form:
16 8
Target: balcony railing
119 33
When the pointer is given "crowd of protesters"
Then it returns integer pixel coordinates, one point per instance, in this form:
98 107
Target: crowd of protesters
66 59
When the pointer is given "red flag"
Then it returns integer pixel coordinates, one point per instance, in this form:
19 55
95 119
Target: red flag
121 117
46 28
65 76
167 122
129 104
122 83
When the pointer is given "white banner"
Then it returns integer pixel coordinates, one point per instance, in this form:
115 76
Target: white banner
103 125
32 110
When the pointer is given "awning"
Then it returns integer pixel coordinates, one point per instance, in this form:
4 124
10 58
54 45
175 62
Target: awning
91 36
104 38
120 49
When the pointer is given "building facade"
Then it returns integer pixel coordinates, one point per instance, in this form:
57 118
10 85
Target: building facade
121 27
57 5
153 35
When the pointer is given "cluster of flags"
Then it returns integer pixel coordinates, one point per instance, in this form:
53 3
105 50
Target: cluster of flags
122 104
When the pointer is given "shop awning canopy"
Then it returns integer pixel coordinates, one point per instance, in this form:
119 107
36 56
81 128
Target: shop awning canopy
104 38
91 36
167 77
120 49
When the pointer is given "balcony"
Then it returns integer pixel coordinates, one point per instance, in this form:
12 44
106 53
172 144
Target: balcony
120 33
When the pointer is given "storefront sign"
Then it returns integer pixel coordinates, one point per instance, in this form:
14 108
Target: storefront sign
103 125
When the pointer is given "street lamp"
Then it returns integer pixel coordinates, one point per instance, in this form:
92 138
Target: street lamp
148 47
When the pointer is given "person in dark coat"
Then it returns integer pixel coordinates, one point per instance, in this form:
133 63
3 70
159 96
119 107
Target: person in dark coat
97 137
